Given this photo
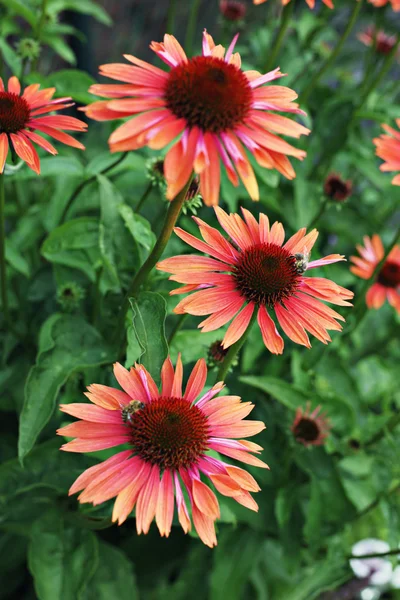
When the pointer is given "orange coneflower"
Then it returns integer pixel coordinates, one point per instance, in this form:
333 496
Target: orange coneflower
257 272
209 108
169 434
310 428
395 3
388 148
371 37
387 282
311 3
21 116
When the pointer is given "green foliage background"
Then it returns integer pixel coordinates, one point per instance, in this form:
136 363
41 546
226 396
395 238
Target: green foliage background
76 225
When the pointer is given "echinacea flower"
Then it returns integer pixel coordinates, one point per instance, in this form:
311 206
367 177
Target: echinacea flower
256 272
169 434
310 3
310 428
395 3
383 43
22 115
208 108
387 281
336 188
388 149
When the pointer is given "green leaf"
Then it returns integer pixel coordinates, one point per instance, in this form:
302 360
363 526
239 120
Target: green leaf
85 7
62 558
138 226
75 244
110 199
47 473
16 260
60 47
237 552
68 82
11 58
21 9
149 313
52 166
68 343
114 577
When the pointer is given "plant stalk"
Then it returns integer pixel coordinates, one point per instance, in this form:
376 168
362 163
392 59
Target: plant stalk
280 36
330 61
233 350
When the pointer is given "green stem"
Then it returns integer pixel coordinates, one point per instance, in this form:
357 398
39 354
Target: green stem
191 27
42 20
97 297
83 184
375 554
390 426
161 243
177 326
233 350
280 36
4 299
322 209
376 81
329 62
171 16
143 199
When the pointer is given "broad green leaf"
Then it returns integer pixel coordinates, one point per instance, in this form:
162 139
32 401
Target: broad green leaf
110 199
113 578
149 312
11 58
68 344
16 260
75 244
62 557
138 226
60 47
68 82
47 473
53 166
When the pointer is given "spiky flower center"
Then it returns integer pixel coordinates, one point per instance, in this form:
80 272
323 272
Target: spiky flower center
306 430
14 112
209 93
390 275
266 274
169 432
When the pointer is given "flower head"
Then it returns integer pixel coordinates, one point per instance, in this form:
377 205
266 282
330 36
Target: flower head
232 10
388 148
310 3
337 188
209 108
22 116
310 428
169 434
395 3
383 43
256 272
387 281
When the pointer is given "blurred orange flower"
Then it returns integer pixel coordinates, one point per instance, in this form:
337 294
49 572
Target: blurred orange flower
388 148
387 282
311 3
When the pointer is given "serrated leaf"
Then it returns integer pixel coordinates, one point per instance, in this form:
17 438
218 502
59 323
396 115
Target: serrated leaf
69 344
149 313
